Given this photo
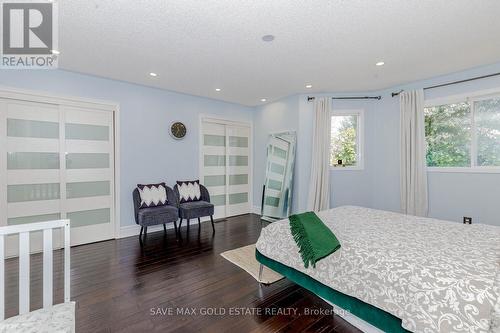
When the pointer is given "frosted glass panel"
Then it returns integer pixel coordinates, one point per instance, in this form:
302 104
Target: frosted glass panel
214 140
238 141
32 129
276 168
278 152
238 160
33 219
32 192
87 189
218 200
215 160
87 160
89 217
87 132
272 201
274 184
238 179
237 198
215 180
18 161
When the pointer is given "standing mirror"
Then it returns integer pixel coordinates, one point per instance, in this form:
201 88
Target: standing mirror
277 190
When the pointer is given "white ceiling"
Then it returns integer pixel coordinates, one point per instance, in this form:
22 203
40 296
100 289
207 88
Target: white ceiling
197 46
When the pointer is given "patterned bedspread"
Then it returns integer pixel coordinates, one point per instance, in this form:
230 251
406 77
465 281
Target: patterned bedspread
437 276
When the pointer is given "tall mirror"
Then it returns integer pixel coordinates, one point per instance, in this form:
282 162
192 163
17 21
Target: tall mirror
277 189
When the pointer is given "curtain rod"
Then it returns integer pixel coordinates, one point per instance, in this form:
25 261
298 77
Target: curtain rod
394 94
311 98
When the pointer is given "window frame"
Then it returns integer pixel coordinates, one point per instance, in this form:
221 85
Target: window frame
468 98
360 113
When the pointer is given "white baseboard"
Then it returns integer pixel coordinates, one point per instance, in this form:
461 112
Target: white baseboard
135 229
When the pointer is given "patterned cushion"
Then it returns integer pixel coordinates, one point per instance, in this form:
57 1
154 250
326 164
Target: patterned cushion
152 195
189 190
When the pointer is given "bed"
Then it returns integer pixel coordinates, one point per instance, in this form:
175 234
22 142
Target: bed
398 273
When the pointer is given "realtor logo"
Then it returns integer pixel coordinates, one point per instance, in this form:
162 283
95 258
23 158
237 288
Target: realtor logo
29 35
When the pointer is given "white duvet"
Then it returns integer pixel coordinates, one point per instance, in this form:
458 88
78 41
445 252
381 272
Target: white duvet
437 276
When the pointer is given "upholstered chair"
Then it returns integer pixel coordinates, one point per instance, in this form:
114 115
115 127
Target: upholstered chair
146 217
195 209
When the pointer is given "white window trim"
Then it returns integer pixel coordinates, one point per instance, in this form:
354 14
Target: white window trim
361 142
471 98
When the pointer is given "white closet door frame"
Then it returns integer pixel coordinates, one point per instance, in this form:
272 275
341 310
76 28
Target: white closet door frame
64 101
227 121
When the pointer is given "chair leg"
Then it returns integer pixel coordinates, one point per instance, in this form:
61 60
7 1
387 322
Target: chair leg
145 232
140 233
212 220
199 221
175 228
180 225
188 224
164 228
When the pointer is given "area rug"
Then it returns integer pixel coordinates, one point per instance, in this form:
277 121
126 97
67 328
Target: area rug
244 257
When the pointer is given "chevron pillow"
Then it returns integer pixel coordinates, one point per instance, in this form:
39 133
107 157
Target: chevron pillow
189 190
153 195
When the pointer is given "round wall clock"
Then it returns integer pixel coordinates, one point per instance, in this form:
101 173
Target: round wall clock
178 130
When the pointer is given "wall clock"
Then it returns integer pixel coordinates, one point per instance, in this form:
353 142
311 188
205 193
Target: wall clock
178 130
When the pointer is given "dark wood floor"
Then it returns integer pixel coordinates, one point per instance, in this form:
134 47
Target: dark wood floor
120 286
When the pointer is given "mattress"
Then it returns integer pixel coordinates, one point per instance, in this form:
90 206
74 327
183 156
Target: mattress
433 275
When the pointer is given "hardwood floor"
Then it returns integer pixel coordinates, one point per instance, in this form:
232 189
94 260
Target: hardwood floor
120 286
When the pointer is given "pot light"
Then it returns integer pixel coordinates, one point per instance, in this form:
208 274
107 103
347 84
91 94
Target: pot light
380 63
217 89
55 52
309 86
268 38
153 74
263 100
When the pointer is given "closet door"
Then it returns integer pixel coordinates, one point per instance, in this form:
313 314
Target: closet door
56 162
225 166
238 170
213 169
88 174
29 167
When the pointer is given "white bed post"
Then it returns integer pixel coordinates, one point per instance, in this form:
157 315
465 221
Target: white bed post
67 259
24 272
2 278
47 268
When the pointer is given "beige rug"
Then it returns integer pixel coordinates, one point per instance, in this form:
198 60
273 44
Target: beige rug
244 257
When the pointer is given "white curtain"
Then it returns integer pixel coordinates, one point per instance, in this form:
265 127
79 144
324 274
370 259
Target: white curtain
319 185
414 198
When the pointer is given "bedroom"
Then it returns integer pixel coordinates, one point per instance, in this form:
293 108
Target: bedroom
379 108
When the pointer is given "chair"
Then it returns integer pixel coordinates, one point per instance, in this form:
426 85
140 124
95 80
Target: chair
146 217
196 209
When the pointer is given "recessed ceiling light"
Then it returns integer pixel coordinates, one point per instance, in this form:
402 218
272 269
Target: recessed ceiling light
263 100
268 38
153 74
380 63
309 86
217 89
55 52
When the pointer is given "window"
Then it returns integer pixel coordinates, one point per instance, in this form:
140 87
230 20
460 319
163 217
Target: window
346 139
464 134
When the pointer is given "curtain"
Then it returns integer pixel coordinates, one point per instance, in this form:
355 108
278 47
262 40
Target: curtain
414 197
319 185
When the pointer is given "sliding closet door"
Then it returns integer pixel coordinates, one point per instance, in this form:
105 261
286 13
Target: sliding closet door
213 169
87 173
238 170
57 162
225 166
30 167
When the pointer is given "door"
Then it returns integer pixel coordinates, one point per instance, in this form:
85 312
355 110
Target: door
56 162
225 165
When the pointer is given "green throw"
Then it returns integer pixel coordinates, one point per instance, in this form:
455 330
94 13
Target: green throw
314 239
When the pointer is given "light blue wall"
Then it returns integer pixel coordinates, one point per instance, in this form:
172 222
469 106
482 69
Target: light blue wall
274 117
148 153
451 195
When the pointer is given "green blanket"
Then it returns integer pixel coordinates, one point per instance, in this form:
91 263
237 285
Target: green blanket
314 239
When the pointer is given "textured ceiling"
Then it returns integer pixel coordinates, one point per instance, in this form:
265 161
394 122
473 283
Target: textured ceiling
197 46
